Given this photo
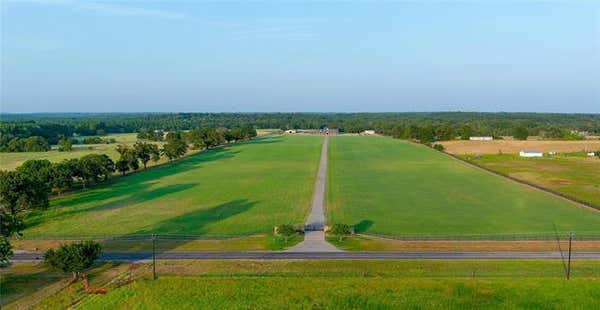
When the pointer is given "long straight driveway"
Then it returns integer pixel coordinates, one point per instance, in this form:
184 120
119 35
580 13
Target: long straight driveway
314 237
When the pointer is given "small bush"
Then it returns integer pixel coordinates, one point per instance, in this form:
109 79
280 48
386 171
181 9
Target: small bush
439 147
286 229
340 229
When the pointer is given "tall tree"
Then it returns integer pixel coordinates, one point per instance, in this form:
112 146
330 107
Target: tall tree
18 192
145 151
174 148
520 132
74 258
65 145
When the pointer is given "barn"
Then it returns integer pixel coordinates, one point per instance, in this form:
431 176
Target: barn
531 154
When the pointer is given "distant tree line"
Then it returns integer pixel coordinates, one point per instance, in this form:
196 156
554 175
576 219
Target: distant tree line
40 144
54 126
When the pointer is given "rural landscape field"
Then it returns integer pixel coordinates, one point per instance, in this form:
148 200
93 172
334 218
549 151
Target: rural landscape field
240 189
299 155
392 187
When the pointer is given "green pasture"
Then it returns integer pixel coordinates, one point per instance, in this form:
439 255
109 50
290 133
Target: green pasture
571 174
358 285
388 186
238 189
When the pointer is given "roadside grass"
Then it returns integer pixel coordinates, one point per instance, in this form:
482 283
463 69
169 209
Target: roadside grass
392 187
260 242
358 284
372 243
571 174
240 189
25 285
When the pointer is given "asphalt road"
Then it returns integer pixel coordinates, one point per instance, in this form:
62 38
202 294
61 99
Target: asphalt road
137 256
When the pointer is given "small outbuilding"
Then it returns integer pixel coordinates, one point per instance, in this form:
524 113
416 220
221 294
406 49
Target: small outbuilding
292 131
531 154
481 138
591 154
368 132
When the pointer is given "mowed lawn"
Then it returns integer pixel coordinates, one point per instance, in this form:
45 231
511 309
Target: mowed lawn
395 187
576 176
239 189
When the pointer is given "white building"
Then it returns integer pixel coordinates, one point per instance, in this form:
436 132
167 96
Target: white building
531 154
591 154
290 131
481 138
368 132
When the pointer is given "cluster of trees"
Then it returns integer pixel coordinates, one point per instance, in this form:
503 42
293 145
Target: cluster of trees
98 140
30 144
140 152
54 126
40 144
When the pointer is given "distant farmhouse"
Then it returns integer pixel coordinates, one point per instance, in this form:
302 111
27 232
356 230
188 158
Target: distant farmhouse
591 154
368 132
481 138
292 131
531 154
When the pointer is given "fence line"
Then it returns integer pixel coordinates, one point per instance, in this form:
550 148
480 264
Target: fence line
580 236
542 236
582 202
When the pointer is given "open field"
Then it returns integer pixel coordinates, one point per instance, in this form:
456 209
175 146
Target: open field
515 146
575 176
239 189
10 161
392 187
326 284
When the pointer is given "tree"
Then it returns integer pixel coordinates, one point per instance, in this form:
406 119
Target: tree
96 166
145 151
520 132
62 174
18 193
38 168
174 148
36 144
65 145
122 166
74 258
466 132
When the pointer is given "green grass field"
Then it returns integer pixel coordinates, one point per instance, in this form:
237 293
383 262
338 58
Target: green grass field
239 189
10 161
392 187
354 285
576 176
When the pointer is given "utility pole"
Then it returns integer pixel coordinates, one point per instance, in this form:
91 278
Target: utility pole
569 259
154 256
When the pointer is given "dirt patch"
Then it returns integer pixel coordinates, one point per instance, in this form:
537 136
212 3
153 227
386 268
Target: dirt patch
515 146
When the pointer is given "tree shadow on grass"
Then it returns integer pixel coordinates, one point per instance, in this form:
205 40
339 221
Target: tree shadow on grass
139 181
178 231
129 196
195 222
362 226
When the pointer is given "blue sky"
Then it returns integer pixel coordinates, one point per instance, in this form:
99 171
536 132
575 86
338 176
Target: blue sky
197 56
